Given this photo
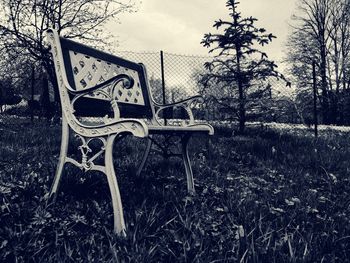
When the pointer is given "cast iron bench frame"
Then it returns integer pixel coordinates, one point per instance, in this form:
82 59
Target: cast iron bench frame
101 81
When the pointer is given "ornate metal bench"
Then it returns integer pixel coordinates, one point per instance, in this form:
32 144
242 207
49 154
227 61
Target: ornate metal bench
93 83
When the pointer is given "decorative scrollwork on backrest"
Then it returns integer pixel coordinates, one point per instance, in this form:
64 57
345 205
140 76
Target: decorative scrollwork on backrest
89 71
81 68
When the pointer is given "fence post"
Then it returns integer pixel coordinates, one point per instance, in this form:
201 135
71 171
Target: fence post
163 82
32 96
315 96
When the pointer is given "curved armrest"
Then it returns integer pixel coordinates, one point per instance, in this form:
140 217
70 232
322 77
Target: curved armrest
186 104
187 100
115 79
135 126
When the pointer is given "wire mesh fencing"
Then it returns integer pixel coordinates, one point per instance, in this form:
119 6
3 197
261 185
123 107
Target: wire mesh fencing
174 77
179 73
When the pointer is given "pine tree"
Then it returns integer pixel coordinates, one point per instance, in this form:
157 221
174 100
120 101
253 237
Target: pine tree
237 62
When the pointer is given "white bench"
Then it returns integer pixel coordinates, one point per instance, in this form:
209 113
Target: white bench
93 83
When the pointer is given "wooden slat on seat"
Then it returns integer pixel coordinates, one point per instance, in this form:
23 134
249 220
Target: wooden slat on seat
180 129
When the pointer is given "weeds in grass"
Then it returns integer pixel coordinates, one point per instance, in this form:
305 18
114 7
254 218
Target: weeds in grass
268 196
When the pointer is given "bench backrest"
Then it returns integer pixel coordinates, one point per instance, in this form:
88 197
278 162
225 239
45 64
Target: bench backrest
86 67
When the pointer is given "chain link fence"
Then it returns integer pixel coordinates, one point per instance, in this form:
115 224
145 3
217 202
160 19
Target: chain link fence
181 75
173 77
180 72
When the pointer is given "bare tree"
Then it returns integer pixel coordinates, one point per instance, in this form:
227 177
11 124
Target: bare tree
23 24
321 34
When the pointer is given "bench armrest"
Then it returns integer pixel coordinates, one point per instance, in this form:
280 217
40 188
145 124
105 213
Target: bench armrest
128 83
186 104
135 126
115 80
187 100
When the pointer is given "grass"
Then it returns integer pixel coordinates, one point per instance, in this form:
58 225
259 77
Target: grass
268 196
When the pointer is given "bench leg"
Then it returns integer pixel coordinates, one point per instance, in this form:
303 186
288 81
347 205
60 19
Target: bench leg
119 224
62 158
186 159
145 156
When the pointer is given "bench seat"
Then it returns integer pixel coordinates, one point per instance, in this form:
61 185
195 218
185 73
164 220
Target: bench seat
202 128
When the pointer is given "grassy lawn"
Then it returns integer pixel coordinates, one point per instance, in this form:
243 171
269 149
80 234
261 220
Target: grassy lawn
268 196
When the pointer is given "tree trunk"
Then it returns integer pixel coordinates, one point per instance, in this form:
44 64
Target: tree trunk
32 95
325 97
242 113
45 99
56 108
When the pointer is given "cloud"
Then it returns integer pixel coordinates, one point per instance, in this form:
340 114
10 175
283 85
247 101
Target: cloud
175 26
179 26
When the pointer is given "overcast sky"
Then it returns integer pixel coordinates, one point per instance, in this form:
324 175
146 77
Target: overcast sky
178 26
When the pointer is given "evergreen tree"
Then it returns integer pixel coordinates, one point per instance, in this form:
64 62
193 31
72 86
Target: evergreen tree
237 64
